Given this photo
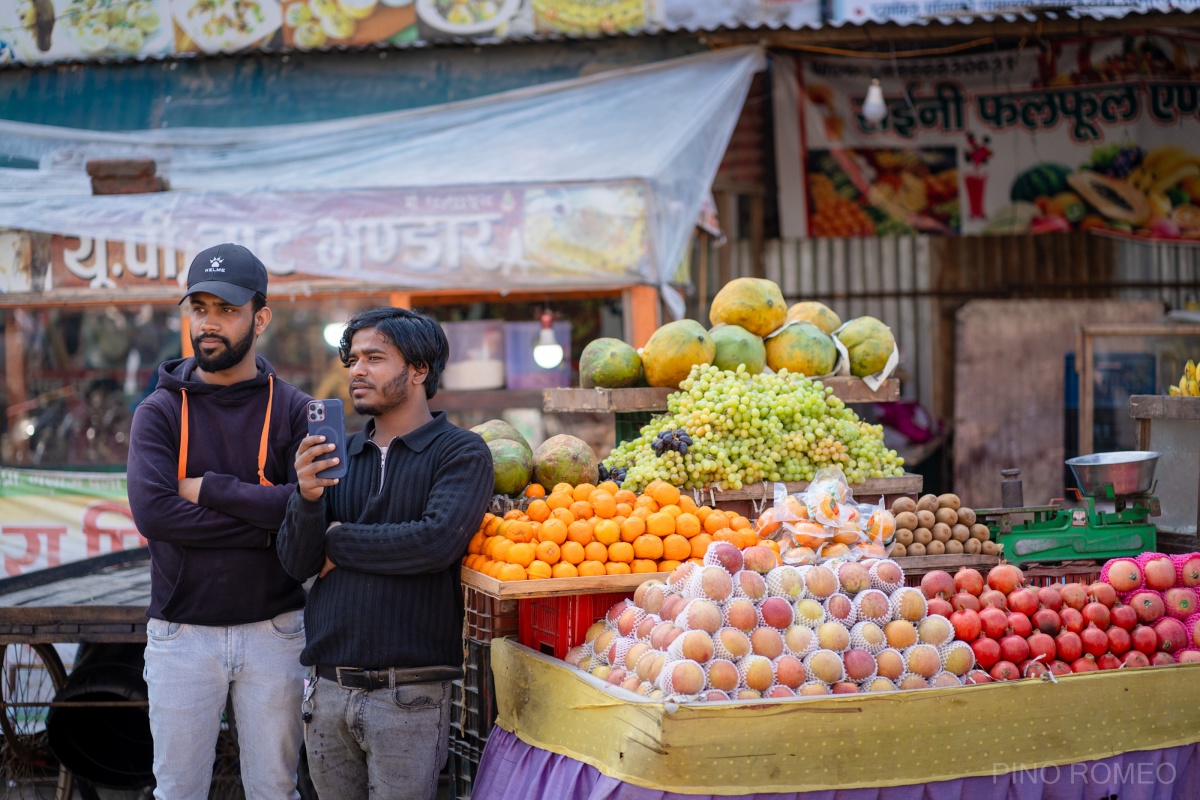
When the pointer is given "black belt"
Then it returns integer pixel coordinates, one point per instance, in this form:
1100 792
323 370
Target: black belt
371 679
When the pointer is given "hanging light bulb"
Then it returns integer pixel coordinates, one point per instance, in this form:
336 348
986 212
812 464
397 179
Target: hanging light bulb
874 109
547 352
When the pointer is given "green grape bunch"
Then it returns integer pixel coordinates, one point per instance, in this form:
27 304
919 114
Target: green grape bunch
746 428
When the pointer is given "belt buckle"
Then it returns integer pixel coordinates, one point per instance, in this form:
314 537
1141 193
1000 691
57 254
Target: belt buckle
338 672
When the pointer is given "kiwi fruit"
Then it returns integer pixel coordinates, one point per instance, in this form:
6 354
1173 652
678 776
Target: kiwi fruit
906 520
935 548
972 547
928 502
904 536
954 547
989 548
916 549
898 551
947 515
941 532
922 536
902 504
966 516
980 531
960 533
925 518
949 501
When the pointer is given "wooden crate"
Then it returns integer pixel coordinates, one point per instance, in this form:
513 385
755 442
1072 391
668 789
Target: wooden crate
612 401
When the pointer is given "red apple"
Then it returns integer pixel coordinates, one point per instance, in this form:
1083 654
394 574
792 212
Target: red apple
1160 659
1160 573
1148 606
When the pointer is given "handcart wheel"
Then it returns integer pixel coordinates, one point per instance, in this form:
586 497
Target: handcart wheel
32 674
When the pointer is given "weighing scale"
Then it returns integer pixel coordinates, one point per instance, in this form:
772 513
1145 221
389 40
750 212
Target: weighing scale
1058 533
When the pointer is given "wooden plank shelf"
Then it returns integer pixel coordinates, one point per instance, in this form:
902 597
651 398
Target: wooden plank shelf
850 390
556 587
919 565
1158 406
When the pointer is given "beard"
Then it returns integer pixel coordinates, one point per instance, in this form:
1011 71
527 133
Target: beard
395 393
229 357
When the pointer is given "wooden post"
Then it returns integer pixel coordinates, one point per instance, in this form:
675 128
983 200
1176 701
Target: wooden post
400 300
642 316
14 372
185 330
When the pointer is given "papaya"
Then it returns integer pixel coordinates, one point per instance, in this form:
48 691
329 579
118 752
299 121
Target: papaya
609 364
674 349
1112 198
735 346
818 314
495 429
869 342
755 304
803 348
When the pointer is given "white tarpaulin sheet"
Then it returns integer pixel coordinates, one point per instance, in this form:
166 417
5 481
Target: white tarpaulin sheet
594 180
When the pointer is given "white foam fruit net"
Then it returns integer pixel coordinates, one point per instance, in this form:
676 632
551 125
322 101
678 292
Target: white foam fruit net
799 641
906 592
783 576
922 659
957 657
873 605
885 586
868 635
726 634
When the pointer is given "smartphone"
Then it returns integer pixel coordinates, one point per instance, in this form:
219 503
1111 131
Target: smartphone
327 418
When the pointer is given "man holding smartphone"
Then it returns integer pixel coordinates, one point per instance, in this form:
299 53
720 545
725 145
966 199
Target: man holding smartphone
384 619
211 468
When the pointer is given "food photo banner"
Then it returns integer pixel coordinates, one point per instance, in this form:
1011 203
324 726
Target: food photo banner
1097 134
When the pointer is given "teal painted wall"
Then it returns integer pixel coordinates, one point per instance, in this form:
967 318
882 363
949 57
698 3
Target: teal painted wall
302 87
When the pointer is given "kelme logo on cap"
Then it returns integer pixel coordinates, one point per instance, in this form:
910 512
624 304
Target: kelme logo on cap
215 265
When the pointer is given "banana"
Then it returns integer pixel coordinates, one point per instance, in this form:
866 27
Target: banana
1183 385
1173 391
1140 178
1189 369
1157 157
1160 204
1174 176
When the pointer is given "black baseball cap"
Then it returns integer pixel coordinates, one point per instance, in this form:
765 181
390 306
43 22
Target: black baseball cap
229 271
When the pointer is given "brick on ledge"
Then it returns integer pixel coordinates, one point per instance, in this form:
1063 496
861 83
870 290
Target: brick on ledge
140 185
121 167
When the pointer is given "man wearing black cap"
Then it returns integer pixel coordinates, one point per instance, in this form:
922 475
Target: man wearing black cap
211 467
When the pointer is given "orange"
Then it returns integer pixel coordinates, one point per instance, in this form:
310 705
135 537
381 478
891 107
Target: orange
665 494
603 504
651 486
643 565
834 551
767 523
632 528
686 503
729 535
493 569
572 552
676 548
535 490
667 508
616 568
642 512
522 554
625 496
563 487
620 551
648 546
591 569
476 543
715 521
548 552
553 530
513 514
624 509
563 515
700 543
488 544
667 566
500 549
660 524
687 525
492 527
582 491
770 544
511 572
538 511
646 501
702 513
596 552
699 562
582 509
580 531
559 500
607 532
748 536
737 522
519 531
564 570
609 486
539 569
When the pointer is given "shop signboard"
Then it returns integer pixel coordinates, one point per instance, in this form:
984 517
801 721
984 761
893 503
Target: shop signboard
51 518
1095 134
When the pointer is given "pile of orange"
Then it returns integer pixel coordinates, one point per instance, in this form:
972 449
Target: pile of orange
588 530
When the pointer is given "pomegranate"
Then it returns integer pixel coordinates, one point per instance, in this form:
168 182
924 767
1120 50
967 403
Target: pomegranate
1019 624
1102 593
1161 659
1180 601
1068 646
937 583
1005 671
987 651
1123 616
1058 667
1014 648
1159 573
1095 641
994 622
1085 664
1148 606
1074 595
965 600
1096 614
1144 639
1005 578
990 597
1188 656
1046 621
1134 659
1023 601
967 626
1033 669
1124 575
1189 572
1171 634
939 606
1050 597
1118 640
1108 661
969 580
1072 619
976 676
1041 644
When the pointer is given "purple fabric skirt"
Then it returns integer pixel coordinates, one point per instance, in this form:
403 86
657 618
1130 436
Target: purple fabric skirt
513 770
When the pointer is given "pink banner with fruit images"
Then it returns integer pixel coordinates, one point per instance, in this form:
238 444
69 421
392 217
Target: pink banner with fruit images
1091 134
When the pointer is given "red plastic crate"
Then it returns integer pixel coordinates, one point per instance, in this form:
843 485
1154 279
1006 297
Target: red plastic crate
553 625
487 617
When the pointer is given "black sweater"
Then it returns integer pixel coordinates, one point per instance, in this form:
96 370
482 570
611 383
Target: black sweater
394 599
213 563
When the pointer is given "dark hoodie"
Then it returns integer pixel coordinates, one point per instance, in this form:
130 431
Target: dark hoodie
214 563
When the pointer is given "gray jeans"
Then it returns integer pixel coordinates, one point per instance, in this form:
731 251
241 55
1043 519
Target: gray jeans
386 744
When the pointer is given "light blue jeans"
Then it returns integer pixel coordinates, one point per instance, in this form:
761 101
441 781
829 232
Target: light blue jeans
386 744
191 669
